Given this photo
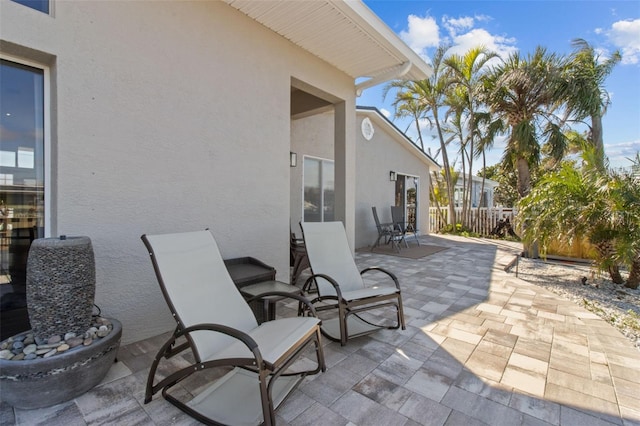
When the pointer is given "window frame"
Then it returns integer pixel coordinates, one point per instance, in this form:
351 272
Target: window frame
46 112
49 6
322 161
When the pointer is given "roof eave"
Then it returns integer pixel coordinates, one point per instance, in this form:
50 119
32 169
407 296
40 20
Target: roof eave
360 13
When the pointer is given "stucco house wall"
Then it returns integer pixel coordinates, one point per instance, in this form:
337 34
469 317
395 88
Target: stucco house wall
167 117
387 150
309 137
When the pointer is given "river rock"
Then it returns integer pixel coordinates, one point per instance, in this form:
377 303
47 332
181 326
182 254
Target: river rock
52 352
54 339
30 349
74 341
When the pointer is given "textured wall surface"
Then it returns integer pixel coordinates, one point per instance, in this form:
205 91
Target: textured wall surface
165 117
374 159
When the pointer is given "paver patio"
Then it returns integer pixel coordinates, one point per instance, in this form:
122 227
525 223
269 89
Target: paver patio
481 347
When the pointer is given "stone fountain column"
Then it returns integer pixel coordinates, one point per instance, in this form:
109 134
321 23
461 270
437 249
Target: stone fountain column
60 295
61 286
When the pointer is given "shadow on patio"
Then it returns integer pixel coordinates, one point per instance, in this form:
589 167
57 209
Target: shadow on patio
481 347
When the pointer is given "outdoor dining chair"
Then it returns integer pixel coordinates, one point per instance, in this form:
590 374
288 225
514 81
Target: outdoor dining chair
299 260
222 333
401 225
342 292
387 232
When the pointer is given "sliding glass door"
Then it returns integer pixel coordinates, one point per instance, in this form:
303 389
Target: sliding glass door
406 196
319 190
21 185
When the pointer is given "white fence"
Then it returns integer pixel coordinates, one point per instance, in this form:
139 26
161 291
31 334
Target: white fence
483 220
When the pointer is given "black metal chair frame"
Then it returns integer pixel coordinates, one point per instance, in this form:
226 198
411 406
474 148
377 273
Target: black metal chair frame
266 372
346 307
386 232
400 224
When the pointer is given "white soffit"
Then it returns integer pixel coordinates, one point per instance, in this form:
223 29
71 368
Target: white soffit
346 34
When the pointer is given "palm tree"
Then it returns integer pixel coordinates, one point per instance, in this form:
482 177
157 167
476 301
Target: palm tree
429 95
407 105
466 73
524 92
572 203
584 77
623 190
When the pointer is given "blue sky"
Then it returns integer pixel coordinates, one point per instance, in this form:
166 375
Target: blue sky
510 25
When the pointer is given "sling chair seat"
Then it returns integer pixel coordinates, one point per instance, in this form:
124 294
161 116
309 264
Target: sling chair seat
256 361
342 292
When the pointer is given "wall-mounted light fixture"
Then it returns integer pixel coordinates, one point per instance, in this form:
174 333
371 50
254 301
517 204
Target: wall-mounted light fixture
293 159
392 176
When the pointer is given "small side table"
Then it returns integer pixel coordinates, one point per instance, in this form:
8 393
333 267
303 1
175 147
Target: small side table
267 311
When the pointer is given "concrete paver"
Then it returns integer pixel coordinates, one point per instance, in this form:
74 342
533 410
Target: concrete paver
482 347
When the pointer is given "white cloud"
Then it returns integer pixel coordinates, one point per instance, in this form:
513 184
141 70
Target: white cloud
620 153
503 46
385 112
421 34
453 25
625 35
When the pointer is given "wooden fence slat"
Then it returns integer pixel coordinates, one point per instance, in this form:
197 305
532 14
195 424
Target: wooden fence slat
483 220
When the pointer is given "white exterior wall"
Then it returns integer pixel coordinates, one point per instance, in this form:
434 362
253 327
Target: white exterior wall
374 160
311 136
166 117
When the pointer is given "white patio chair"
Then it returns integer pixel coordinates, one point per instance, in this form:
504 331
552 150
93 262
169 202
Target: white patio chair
222 332
341 287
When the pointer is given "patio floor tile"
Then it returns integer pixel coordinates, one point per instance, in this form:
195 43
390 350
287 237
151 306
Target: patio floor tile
425 411
481 347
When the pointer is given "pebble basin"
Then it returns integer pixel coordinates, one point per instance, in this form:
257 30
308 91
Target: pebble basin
44 382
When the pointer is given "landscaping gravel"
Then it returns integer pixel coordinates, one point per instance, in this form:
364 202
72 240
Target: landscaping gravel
618 305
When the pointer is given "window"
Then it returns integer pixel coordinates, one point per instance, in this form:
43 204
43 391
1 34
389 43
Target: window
22 182
319 194
39 5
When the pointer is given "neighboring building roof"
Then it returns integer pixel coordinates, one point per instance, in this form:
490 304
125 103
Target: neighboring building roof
374 114
346 34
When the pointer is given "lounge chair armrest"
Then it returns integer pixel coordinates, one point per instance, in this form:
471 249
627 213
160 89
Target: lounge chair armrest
331 281
390 274
229 331
283 294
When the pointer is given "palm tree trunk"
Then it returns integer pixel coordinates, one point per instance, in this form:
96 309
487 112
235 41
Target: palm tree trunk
634 274
524 186
447 170
606 252
417 122
524 177
597 139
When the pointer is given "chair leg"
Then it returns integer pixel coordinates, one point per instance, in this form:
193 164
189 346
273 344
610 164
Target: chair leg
268 414
344 332
401 313
377 242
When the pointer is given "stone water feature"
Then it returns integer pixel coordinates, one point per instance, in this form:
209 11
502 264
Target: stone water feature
68 351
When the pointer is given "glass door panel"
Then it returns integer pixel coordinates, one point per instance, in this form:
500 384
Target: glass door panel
21 185
406 196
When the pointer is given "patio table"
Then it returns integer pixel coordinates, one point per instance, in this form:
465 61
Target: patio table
267 311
